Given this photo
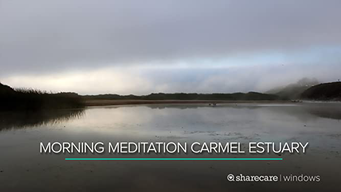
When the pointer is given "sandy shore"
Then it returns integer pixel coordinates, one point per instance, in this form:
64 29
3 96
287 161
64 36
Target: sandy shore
102 102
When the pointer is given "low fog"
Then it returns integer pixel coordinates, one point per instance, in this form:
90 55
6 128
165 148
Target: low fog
140 47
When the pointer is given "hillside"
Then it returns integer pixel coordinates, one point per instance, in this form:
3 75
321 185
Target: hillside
294 90
6 90
323 92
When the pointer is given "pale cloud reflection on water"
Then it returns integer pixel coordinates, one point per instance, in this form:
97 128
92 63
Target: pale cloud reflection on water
19 146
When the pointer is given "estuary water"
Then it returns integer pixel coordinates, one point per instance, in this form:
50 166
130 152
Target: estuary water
24 168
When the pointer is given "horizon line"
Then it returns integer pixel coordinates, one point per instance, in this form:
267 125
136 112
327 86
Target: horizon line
176 159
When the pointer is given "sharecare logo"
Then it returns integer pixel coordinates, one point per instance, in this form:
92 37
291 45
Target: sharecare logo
256 178
273 178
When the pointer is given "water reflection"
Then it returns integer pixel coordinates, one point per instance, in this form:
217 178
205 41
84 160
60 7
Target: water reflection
324 110
331 111
25 119
22 164
304 112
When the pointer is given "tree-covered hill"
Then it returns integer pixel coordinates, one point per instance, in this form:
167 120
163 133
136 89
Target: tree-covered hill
324 92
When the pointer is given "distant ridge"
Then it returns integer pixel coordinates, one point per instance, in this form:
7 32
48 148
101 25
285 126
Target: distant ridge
30 99
188 96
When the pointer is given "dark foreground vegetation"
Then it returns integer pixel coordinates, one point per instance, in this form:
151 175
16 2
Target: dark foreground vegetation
323 92
29 99
188 96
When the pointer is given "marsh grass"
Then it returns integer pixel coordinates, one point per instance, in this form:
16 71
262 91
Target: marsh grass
32 99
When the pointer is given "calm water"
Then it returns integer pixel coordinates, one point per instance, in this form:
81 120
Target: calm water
23 168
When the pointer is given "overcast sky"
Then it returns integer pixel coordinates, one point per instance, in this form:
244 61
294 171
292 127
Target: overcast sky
139 47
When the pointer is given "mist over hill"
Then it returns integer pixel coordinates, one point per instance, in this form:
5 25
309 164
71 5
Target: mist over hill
294 90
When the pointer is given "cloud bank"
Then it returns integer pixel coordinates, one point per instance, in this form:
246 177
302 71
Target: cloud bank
149 46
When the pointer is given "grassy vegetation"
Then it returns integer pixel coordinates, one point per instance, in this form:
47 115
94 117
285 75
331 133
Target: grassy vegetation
30 99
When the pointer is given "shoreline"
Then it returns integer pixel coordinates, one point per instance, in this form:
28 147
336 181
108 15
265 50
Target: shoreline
106 102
